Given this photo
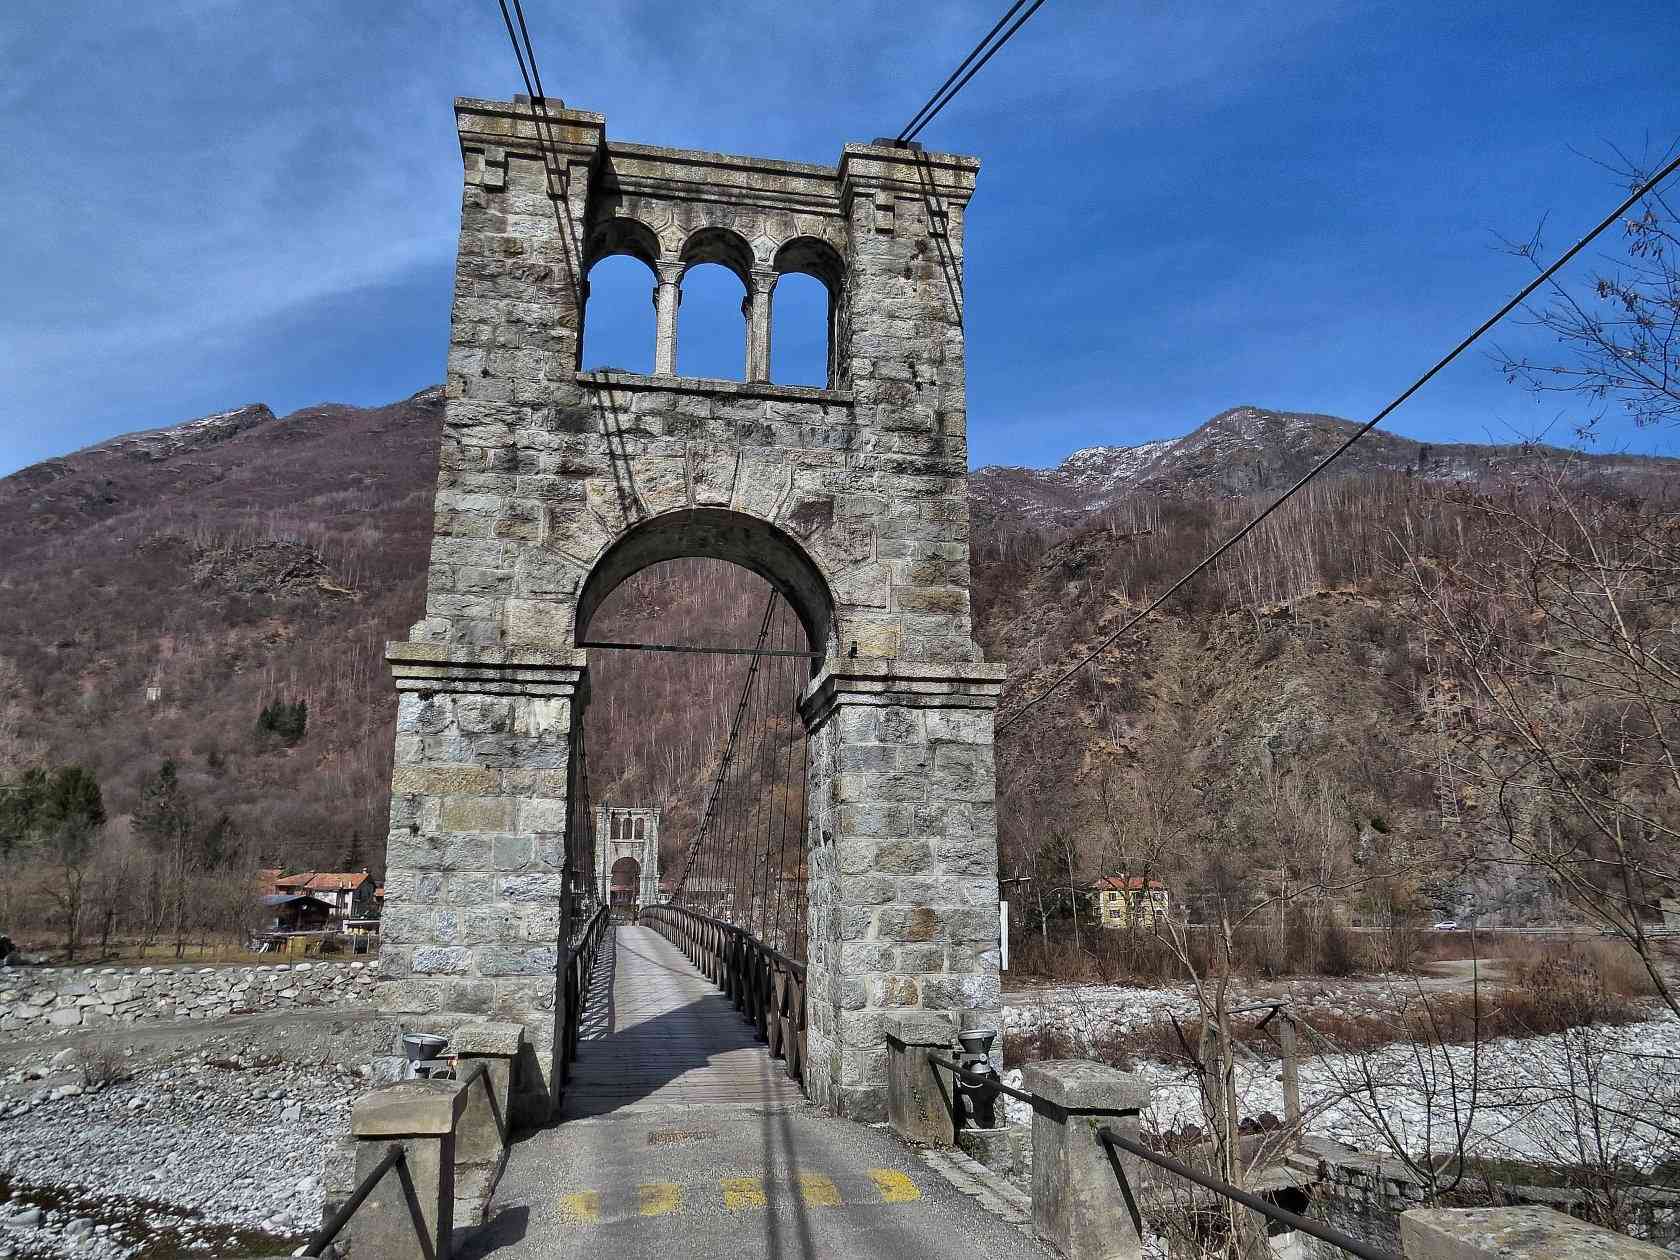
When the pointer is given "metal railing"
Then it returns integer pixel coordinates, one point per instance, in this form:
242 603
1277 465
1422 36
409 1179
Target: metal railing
393 1157
580 964
987 1082
766 986
1266 1208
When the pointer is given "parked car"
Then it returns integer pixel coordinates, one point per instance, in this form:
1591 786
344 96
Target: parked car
1447 925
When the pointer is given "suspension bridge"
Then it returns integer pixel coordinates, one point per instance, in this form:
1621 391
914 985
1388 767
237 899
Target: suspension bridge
679 1063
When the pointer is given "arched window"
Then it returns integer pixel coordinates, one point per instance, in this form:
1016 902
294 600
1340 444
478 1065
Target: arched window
811 280
799 340
617 827
712 320
641 834
618 314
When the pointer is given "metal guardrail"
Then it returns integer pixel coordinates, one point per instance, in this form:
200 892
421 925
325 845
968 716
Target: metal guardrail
394 1155
580 963
1319 1230
767 986
1112 1141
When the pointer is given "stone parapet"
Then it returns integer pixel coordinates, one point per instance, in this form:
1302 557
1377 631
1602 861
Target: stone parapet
410 1214
1078 1205
919 1095
1514 1233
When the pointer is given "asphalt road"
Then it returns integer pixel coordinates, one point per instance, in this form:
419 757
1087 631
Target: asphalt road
783 1182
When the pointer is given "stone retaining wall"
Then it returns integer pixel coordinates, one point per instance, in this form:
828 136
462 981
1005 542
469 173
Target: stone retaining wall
49 1003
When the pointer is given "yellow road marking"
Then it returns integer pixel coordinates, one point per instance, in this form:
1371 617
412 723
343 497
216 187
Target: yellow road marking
818 1190
583 1208
658 1198
742 1192
894 1186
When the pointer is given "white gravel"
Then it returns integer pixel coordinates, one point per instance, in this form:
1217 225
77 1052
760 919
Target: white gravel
1591 1095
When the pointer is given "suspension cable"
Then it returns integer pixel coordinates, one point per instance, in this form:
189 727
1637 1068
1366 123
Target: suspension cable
904 131
924 116
718 783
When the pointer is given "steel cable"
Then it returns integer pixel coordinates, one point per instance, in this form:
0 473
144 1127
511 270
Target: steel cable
914 129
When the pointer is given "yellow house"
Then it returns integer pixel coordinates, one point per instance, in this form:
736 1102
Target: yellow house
1119 897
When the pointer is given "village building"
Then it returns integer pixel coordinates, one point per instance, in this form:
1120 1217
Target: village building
296 912
350 894
1123 899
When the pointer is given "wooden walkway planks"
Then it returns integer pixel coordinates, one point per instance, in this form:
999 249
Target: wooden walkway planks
667 1037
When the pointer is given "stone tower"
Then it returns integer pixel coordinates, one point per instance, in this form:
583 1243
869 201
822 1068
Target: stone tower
627 832
555 485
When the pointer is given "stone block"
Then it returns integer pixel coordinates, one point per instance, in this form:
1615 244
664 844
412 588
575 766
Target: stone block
1514 1233
1078 1206
904 857
478 813
408 1109
512 853
1085 1086
420 1116
445 780
440 960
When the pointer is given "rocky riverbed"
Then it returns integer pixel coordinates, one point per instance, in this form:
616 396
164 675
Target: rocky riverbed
210 1140
1604 1094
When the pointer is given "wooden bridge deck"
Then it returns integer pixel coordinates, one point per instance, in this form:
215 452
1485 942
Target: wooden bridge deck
658 1033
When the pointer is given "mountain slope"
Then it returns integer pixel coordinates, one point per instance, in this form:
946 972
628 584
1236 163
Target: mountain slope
1251 450
158 590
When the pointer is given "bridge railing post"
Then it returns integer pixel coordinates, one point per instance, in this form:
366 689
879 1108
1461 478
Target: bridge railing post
1078 1202
491 1109
920 1096
410 1213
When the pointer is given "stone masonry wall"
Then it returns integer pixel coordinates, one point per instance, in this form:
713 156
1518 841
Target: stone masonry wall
903 856
51 1003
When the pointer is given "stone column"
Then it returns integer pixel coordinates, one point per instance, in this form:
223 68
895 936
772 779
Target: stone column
421 1116
902 853
1078 1206
757 310
667 297
475 859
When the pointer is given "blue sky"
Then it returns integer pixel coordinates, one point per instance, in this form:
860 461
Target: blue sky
1182 207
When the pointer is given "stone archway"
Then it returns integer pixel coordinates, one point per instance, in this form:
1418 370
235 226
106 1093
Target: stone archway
556 484
624 883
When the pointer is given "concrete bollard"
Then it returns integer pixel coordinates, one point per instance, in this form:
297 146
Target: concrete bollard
1078 1206
1514 1233
919 1101
422 1116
